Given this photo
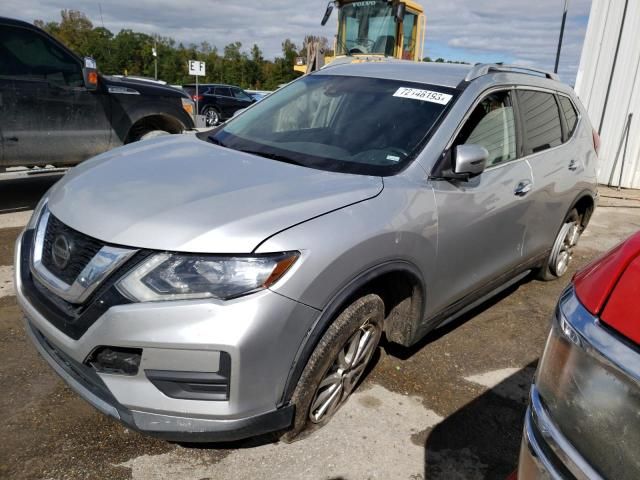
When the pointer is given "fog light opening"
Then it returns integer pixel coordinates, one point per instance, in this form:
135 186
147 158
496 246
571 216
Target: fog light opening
115 360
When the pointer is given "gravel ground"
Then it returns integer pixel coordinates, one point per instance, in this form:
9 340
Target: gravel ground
449 408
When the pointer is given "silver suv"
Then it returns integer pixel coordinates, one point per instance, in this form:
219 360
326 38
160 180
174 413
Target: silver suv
237 282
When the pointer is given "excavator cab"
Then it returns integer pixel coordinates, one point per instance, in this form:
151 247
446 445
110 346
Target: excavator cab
383 28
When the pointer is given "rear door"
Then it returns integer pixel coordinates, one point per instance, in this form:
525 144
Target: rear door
482 222
226 102
48 115
548 146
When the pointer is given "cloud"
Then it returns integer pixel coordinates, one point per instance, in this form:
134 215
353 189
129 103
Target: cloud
474 30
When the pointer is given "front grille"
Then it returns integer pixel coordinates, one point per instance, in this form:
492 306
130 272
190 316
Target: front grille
72 320
83 249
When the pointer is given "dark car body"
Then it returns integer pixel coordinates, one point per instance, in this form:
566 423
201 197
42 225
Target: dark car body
218 102
50 117
584 417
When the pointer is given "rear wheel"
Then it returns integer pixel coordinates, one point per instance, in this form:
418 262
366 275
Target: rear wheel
562 252
337 364
211 117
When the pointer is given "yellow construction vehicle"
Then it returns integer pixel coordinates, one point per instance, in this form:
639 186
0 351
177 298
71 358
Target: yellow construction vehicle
371 28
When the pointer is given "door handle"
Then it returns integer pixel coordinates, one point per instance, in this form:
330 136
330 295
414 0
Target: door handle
573 165
522 188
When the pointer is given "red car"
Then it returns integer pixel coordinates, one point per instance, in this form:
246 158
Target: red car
583 419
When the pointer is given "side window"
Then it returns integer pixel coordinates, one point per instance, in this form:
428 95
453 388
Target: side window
492 125
570 115
541 117
409 32
30 56
240 95
223 91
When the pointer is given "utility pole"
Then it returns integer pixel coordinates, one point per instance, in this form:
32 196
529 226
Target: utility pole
155 57
564 20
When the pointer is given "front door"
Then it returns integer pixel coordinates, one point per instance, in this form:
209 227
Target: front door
48 115
482 222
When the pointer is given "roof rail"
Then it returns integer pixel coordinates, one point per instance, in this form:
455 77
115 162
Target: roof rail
481 69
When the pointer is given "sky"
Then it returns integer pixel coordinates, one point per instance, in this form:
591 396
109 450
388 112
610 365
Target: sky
524 32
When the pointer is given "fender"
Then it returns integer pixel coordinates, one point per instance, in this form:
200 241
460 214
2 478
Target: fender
128 109
333 308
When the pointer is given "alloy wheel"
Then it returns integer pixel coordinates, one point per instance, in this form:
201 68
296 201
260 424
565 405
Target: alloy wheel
211 117
345 372
563 248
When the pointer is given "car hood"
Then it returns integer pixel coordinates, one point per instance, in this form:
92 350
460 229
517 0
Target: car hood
183 194
148 89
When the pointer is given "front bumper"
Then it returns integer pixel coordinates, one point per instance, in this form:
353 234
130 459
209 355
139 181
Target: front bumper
585 398
260 334
545 453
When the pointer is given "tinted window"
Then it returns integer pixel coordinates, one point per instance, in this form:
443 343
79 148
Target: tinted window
541 120
570 114
239 94
223 91
340 123
28 55
492 125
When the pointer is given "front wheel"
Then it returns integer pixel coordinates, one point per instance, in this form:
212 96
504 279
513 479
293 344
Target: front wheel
562 251
153 134
337 364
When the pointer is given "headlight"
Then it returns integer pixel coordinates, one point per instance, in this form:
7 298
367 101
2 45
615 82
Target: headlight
167 276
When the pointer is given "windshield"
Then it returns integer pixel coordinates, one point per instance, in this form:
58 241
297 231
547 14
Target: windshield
339 123
366 27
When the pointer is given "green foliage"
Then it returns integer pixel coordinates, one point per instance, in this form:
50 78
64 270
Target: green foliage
130 53
442 60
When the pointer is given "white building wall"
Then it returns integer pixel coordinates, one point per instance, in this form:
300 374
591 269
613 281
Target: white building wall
594 77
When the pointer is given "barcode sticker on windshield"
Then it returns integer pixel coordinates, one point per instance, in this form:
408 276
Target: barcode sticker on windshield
423 95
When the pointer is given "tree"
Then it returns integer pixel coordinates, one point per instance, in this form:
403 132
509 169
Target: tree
129 52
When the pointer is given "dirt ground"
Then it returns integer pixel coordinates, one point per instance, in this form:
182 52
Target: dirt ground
452 407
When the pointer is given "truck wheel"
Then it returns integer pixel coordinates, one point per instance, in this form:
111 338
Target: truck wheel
211 116
153 134
337 364
562 251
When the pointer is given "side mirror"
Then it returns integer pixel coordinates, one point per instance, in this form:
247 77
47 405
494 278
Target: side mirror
399 11
90 74
470 160
327 14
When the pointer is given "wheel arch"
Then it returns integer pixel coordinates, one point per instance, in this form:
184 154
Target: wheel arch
402 289
159 121
585 204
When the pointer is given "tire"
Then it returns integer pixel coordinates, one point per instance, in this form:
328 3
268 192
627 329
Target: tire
559 259
336 366
212 116
153 134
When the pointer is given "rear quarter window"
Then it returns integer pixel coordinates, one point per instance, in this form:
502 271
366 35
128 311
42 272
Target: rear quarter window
570 114
541 117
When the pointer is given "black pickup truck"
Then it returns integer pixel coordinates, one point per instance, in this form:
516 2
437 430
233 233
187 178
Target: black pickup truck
56 109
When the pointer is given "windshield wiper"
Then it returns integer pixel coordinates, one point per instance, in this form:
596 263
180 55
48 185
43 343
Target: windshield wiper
272 156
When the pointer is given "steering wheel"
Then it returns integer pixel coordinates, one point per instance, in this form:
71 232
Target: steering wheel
401 151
